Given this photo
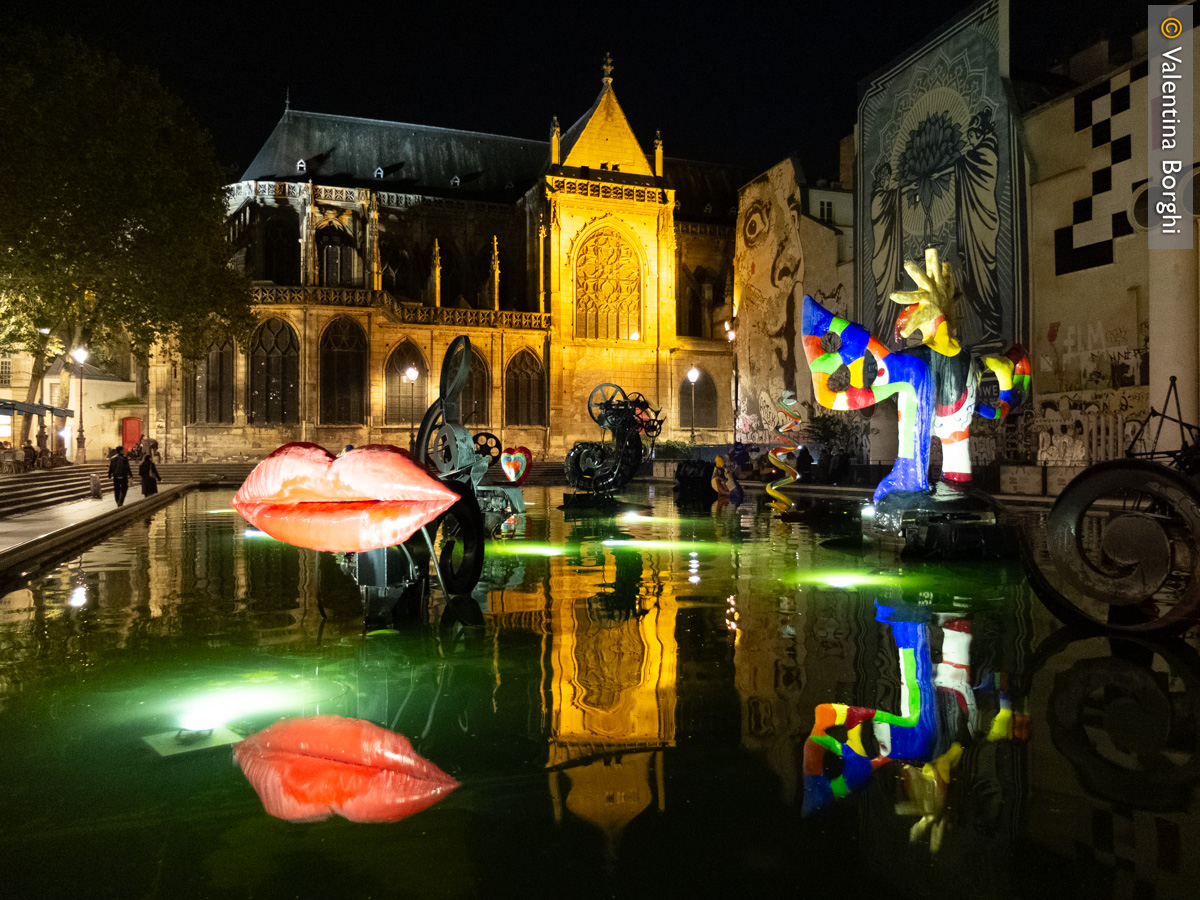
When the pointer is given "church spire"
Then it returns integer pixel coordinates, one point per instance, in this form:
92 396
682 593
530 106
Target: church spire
607 67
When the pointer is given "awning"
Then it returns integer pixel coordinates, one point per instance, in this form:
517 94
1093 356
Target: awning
8 407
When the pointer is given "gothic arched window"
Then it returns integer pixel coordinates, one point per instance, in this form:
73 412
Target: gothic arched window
405 399
343 373
524 391
337 258
281 251
608 288
702 397
474 400
209 393
273 385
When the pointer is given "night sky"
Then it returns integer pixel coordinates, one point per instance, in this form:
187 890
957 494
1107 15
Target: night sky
734 82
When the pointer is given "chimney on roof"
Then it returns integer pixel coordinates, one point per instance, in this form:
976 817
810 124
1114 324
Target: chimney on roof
658 154
555 153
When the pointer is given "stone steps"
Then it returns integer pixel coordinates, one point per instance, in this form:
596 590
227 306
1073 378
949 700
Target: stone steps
40 488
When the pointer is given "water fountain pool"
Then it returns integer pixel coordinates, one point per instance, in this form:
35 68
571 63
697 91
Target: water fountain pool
626 701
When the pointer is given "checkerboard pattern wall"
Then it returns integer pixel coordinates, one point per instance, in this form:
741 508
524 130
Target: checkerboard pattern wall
1103 111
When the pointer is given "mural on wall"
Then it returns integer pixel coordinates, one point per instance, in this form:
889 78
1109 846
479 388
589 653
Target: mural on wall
775 264
938 153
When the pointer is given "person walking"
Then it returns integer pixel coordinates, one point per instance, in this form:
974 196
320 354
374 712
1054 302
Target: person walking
148 472
119 472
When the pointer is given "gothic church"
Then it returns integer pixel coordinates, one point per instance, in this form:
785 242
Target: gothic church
372 245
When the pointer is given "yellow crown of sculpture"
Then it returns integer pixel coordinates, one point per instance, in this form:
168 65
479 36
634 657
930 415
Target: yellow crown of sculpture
925 309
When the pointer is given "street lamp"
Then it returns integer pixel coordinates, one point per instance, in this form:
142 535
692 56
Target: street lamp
411 374
80 355
693 377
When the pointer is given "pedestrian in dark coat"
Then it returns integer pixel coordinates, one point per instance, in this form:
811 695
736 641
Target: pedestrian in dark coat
148 472
119 472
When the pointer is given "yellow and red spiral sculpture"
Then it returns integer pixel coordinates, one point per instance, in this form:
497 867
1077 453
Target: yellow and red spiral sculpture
779 502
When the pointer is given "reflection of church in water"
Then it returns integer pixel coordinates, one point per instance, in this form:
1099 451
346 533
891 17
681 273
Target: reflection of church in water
372 245
609 680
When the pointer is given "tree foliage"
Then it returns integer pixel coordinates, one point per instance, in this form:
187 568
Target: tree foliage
114 223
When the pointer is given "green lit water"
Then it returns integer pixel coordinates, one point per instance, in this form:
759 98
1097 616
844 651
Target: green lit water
625 702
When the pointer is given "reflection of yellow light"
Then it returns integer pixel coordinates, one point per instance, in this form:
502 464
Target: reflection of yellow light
78 597
215 709
222 512
695 579
255 533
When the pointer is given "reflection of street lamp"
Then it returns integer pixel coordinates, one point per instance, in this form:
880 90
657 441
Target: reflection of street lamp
410 375
80 355
693 377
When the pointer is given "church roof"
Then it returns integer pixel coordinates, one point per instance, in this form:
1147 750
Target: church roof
603 135
424 159
341 150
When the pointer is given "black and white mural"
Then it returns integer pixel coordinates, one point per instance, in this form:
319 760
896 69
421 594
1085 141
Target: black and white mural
940 166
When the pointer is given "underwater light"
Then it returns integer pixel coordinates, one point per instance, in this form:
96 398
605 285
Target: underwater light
695 579
868 511
222 512
255 533
213 710
650 545
523 548
844 581
78 597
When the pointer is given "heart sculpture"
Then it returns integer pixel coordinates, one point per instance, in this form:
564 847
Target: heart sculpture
515 462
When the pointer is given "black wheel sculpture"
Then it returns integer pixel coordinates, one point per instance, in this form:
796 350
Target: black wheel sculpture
458 539
487 444
1124 545
598 400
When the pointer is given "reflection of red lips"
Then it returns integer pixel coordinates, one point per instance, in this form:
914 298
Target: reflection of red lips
305 770
372 497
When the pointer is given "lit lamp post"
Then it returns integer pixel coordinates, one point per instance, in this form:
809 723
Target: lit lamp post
693 377
80 355
411 374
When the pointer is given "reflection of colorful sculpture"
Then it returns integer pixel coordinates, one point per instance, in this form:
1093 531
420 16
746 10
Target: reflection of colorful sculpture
786 403
922 737
372 497
908 735
305 770
725 483
935 383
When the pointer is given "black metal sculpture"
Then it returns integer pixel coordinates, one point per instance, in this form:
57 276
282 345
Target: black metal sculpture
1123 540
604 467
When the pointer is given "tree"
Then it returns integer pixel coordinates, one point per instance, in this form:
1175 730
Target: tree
115 223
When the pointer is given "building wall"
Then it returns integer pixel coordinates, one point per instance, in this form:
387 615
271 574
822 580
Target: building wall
1090 265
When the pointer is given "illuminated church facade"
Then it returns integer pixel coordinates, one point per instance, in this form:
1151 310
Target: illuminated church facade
569 263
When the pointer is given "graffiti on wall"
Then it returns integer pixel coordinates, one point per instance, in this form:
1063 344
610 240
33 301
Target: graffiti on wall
1094 355
938 156
773 272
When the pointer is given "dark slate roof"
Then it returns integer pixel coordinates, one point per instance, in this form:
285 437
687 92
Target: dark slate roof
340 150
422 159
697 184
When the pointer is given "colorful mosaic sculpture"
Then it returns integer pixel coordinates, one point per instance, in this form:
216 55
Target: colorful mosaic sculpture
935 382
787 404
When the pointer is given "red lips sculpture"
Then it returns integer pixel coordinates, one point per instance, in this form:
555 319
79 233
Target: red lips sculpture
305 770
372 497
